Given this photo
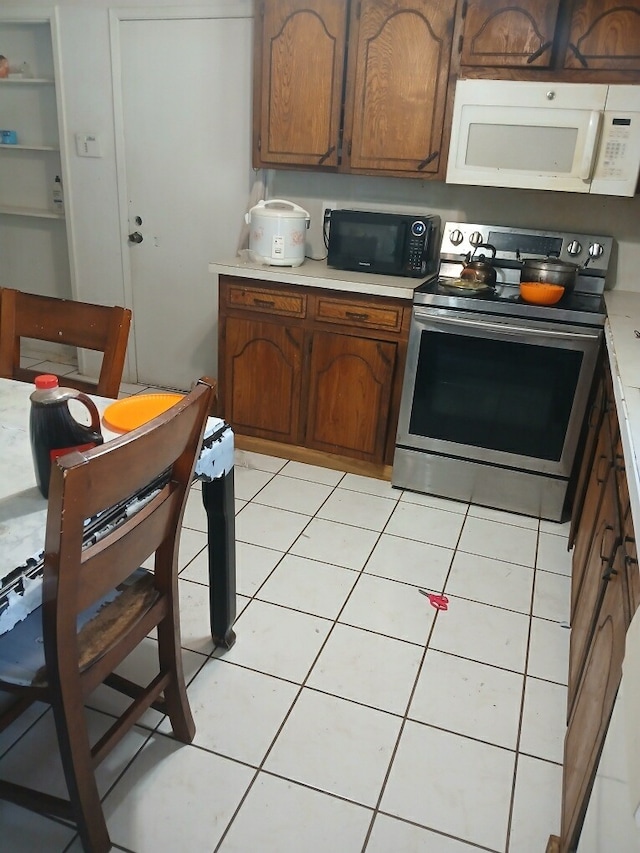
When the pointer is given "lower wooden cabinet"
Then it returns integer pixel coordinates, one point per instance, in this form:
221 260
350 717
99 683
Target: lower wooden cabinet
605 592
312 368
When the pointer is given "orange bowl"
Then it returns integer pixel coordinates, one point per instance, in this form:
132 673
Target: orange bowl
541 293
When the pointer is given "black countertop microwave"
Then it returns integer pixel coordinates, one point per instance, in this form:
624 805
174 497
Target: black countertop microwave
385 243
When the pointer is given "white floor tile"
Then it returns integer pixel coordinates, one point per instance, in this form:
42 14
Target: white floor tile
357 508
469 698
195 516
556 528
549 651
536 806
331 542
501 541
370 486
390 608
293 494
509 518
260 461
390 834
195 627
426 524
434 501
452 784
309 585
543 720
279 816
35 759
57 367
254 564
312 472
24 831
192 543
367 668
277 641
336 746
247 482
409 561
483 633
172 790
269 527
237 712
552 596
491 581
553 555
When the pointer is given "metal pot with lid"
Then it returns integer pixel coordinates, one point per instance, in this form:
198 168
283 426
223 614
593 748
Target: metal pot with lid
481 269
550 270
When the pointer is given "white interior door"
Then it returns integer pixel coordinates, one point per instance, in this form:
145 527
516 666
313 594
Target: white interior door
186 102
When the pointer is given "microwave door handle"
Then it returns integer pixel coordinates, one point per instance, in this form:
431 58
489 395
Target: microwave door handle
590 143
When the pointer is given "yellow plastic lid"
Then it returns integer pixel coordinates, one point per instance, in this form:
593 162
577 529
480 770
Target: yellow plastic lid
132 412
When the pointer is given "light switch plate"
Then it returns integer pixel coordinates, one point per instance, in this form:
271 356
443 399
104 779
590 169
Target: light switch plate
88 145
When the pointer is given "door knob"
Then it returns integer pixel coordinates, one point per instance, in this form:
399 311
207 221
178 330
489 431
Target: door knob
136 237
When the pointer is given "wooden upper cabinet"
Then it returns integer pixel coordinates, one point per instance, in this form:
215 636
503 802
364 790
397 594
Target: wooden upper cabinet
604 35
398 71
507 34
298 81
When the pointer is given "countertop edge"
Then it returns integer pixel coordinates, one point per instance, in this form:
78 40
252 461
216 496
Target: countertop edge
624 358
314 273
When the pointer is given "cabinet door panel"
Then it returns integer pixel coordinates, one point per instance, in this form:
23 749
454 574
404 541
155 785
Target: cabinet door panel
399 57
604 35
590 718
302 50
350 390
263 367
602 465
508 34
604 547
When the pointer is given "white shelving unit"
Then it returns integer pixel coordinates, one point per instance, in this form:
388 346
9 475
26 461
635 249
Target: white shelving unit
34 253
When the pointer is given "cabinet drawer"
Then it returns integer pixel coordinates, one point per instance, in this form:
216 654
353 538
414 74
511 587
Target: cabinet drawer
269 301
362 314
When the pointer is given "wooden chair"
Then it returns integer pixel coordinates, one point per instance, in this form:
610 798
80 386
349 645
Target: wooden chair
98 605
64 321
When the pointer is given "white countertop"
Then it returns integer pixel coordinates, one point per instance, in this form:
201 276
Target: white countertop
318 274
623 318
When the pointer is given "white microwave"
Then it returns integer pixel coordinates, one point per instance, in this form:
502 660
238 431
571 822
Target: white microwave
570 137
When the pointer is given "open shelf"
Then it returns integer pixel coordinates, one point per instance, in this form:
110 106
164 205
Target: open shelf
25 81
30 147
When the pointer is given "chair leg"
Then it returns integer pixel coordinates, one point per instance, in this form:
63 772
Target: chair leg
75 752
170 658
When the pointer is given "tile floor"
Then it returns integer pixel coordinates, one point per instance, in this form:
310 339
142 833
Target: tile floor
351 714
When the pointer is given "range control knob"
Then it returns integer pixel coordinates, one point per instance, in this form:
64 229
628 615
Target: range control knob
596 250
574 247
456 236
476 238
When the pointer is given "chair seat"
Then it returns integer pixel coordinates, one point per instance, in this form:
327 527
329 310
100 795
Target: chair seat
22 662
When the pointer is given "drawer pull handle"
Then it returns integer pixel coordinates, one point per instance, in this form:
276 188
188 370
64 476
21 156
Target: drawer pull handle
265 303
353 315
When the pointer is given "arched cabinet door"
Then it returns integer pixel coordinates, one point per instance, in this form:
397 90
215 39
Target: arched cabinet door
604 35
298 81
506 34
399 56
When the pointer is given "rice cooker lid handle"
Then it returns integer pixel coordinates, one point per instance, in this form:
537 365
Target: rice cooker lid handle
274 206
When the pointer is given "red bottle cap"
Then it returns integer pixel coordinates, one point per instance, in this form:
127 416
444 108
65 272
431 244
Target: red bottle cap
46 380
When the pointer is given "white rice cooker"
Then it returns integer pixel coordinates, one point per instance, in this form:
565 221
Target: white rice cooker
277 232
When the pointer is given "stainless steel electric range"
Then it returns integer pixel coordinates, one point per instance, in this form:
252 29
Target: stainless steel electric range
495 389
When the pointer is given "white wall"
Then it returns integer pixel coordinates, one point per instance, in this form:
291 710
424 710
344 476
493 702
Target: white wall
603 215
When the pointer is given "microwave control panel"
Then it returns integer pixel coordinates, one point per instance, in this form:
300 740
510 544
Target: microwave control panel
619 147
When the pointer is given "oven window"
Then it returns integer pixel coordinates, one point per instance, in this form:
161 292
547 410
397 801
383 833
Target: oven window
500 395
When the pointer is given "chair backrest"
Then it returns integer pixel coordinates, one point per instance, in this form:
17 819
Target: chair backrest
77 575
64 321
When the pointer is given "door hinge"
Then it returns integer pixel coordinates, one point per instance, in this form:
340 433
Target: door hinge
460 40
259 143
358 10
349 149
463 11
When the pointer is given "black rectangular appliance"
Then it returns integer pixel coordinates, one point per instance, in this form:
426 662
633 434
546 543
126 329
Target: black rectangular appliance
385 243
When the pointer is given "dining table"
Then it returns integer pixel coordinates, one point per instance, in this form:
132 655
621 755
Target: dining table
23 513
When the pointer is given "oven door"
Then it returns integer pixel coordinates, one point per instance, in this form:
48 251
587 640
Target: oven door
500 390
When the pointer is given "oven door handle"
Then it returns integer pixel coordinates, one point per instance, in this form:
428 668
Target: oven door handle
509 330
